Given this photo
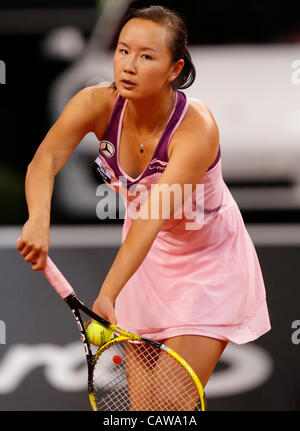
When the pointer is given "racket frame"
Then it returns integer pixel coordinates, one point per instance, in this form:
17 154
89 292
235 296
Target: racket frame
75 304
67 293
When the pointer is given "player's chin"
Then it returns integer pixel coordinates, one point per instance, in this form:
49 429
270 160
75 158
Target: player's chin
133 92
128 94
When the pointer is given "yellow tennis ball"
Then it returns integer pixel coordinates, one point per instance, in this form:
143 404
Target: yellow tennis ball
98 334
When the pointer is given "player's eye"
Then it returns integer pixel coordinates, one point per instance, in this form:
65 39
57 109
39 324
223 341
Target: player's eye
147 57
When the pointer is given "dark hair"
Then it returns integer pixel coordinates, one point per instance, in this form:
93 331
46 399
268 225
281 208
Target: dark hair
178 43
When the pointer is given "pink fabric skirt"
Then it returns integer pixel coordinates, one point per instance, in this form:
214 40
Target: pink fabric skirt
204 282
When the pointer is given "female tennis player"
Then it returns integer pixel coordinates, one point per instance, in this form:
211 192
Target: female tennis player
196 285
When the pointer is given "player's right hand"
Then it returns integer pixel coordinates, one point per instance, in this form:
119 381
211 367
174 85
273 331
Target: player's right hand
33 244
105 308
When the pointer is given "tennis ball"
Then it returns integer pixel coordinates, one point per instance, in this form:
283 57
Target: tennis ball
98 334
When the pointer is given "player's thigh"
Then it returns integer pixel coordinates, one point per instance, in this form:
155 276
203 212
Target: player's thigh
201 353
140 362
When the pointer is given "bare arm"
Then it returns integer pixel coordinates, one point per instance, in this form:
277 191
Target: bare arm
76 120
187 165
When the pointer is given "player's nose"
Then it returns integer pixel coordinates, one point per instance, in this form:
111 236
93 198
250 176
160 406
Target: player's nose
130 66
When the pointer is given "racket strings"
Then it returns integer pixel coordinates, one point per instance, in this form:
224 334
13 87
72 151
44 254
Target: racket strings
142 377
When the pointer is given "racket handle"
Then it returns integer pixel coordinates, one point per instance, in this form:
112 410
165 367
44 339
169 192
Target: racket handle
57 280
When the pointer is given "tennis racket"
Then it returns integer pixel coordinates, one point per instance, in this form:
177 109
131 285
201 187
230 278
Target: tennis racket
130 372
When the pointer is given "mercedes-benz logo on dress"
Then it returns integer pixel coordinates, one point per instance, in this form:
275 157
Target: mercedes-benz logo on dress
107 148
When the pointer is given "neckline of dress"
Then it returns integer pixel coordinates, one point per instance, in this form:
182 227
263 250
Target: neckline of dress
156 148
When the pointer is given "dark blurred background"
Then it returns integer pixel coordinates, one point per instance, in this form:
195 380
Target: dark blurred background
247 55
42 39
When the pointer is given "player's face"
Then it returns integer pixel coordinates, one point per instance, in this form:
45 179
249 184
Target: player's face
142 61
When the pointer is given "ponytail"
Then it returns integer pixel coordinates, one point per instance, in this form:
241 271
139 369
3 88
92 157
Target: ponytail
188 73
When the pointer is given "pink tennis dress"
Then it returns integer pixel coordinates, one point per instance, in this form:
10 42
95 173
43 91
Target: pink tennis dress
204 280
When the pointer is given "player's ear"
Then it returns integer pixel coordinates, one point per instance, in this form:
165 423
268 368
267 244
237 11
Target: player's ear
176 70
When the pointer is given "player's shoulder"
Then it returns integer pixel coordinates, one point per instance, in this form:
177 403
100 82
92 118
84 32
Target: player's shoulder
100 97
198 128
198 121
95 103
199 116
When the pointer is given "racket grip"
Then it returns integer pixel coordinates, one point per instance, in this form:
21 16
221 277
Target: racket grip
57 280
